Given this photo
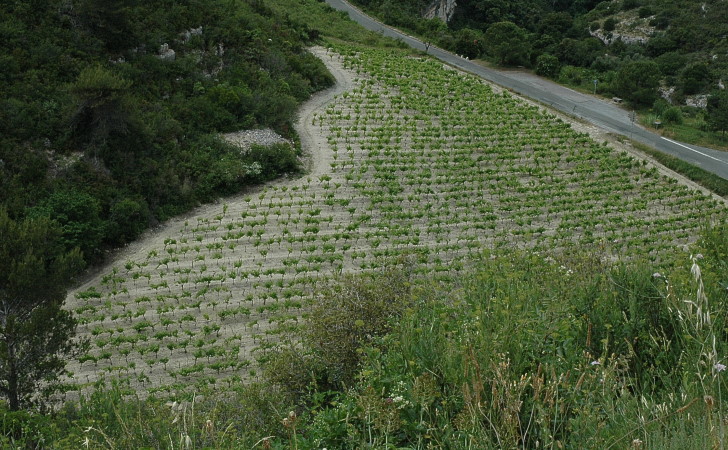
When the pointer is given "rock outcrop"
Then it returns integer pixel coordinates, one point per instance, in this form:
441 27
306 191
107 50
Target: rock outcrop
442 9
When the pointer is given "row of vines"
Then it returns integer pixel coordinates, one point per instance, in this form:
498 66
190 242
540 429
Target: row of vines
425 161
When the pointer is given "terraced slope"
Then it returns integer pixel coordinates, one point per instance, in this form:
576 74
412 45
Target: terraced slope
410 157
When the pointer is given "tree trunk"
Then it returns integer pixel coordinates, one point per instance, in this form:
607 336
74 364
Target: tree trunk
13 398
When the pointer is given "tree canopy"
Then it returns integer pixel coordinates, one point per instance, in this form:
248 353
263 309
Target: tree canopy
508 43
35 332
110 111
637 82
717 111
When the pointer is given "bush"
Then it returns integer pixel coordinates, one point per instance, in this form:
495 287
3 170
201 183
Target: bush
660 106
637 82
128 219
609 24
79 217
693 78
469 43
347 316
508 43
21 429
673 115
547 65
645 12
274 160
670 63
630 4
573 75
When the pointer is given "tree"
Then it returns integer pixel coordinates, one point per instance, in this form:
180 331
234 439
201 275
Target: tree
508 43
547 65
110 21
103 106
717 111
469 43
637 82
694 78
78 217
35 332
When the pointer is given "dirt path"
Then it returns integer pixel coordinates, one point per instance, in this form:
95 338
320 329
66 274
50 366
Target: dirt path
312 140
317 158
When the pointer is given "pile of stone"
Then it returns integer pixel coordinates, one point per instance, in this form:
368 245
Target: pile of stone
246 138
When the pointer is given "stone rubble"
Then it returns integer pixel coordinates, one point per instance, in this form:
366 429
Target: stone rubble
246 138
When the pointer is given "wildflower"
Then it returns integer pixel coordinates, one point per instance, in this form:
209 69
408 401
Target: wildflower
719 367
595 363
636 443
290 421
657 275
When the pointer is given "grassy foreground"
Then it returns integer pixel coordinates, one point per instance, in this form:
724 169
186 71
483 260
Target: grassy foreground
525 351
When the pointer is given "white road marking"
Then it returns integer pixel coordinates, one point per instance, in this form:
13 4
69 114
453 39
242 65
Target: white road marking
696 151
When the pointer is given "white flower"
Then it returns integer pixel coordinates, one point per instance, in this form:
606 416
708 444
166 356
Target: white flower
657 275
719 367
595 363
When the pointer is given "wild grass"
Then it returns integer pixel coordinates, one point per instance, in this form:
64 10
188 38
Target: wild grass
704 178
524 351
692 130
324 20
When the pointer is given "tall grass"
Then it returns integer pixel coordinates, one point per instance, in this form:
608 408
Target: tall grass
526 351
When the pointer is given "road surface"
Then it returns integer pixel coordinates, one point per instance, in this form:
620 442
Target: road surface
603 114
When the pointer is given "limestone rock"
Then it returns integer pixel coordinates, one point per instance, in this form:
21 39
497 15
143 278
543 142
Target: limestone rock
442 9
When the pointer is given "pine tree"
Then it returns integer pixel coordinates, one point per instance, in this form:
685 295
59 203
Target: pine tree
35 332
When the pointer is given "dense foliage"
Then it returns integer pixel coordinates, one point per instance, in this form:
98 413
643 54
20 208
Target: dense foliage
109 110
35 332
578 42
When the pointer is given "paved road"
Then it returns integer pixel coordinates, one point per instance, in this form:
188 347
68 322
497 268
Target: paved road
604 114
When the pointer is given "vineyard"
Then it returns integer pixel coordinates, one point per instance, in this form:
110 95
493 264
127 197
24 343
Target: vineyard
413 159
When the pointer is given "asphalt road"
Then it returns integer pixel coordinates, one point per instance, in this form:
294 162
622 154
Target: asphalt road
603 114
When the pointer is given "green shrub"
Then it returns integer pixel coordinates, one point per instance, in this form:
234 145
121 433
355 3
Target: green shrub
609 25
673 115
274 160
645 12
347 316
630 4
547 65
128 218
22 429
79 217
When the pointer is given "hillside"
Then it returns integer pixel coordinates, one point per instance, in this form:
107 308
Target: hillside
664 58
456 268
110 111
